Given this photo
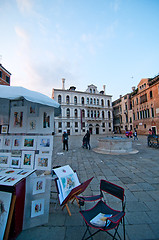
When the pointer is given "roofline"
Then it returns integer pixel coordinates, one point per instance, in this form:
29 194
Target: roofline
5 69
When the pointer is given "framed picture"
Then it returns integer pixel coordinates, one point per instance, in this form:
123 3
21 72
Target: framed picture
18 119
16 142
27 159
46 116
32 110
43 162
15 162
37 208
4 129
29 143
39 185
1 142
5 202
16 153
7 142
11 180
46 152
33 125
5 159
45 143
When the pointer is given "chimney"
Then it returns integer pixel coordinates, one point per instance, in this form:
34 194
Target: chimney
63 83
104 88
133 89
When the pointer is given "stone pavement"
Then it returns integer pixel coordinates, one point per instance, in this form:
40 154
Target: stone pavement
137 173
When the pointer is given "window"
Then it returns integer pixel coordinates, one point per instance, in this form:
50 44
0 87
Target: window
102 114
91 101
137 115
152 112
90 90
76 113
151 94
137 101
126 107
98 114
60 125
87 100
93 90
68 112
103 124
76 124
95 114
68 124
145 113
0 74
76 130
109 114
148 113
109 124
144 125
130 119
88 113
97 101
7 79
82 100
60 131
91 113
75 100
83 113
102 102
94 101
143 98
59 99
83 124
67 99
108 102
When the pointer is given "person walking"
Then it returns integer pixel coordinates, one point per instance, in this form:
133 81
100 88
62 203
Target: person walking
88 140
135 134
65 140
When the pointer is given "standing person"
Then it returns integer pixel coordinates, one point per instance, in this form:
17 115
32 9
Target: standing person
135 134
88 140
65 140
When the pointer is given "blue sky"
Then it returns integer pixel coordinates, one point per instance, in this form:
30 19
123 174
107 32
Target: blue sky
101 42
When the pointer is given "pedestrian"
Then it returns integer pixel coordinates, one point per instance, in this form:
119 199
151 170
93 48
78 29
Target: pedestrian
65 140
88 140
135 134
150 131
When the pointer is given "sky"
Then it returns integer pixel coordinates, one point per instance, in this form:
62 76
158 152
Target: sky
101 42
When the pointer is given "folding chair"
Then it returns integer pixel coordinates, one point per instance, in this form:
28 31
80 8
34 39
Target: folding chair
114 217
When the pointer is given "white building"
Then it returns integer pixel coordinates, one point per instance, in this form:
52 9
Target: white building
81 111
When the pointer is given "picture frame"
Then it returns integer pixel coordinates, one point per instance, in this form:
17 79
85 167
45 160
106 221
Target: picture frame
32 110
15 162
5 199
16 142
43 162
37 208
5 159
4 129
18 119
27 160
39 184
7 142
29 142
46 116
45 143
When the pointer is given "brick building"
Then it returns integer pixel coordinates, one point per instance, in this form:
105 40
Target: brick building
4 76
145 105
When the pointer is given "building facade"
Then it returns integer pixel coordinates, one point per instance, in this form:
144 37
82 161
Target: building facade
4 76
138 109
82 111
145 106
122 114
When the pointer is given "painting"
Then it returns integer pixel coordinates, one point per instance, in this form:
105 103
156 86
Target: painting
32 125
45 143
15 162
29 143
37 208
5 202
18 120
4 129
7 142
16 142
5 159
46 116
43 162
27 159
39 185
33 110
11 180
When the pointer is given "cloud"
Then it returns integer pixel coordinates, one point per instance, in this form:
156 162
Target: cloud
115 5
25 5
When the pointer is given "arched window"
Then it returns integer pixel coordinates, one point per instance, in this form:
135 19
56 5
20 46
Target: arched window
108 114
94 101
91 101
83 113
59 99
88 113
102 102
103 114
93 90
90 90
97 101
68 112
108 103
75 100
95 114
91 113
76 113
98 114
67 99
82 100
87 100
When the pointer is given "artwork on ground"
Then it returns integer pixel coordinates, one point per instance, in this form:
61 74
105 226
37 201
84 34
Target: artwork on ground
37 208
5 201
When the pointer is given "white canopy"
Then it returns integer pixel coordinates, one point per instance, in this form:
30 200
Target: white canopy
16 93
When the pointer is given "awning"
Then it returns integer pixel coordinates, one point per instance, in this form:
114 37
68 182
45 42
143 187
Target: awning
17 93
